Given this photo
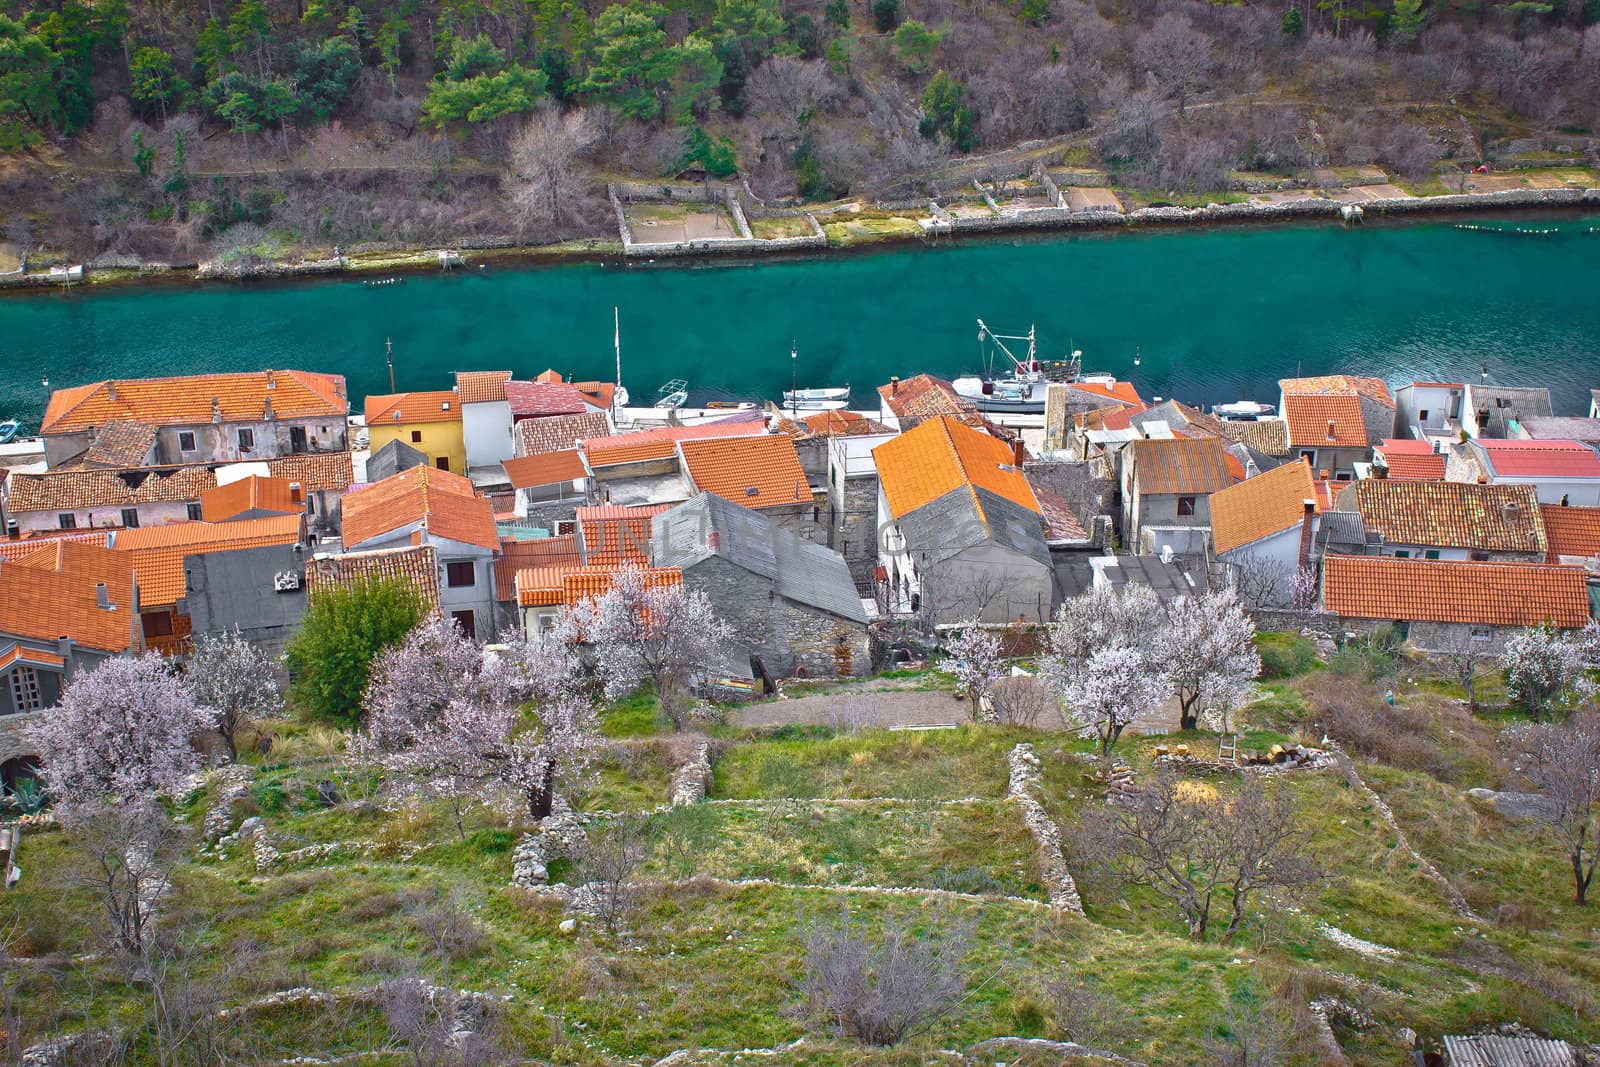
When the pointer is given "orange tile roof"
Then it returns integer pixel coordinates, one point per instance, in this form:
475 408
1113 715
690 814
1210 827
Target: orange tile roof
942 454
315 471
158 552
481 386
923 396
600 394
540 587
557 432
187 401
401 409
254 493
121 443
1493 518
1261 506
546 468
550 375
613 535
535 552
52 593
1571 531
1121 391
659 443
35 656
73 490
592 583
417 565
27 546
842 424
1409 460
1311 418
756 472
1185 465
1354 384
442 501
1486 594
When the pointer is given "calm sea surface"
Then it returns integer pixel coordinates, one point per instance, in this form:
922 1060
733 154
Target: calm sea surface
1217 315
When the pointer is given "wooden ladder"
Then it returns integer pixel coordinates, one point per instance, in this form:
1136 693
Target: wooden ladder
1228 749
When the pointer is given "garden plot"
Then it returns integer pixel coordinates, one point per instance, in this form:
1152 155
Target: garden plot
665 223
935 765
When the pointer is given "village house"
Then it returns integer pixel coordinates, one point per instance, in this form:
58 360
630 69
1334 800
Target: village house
1573 535
1404 460
252 497
644 467
1066 402
853 502
1561 472
391 458
417 565
544 594
1431 411
486 437
65 607
762 473
1557 428
1497 411
1166 490
428 506
1264 531
1334 420
558 433
961 533
903 405
791 603
548 478
428 421
1266 440
1444 605
104 499
531 553
1448 520
611 535
203 418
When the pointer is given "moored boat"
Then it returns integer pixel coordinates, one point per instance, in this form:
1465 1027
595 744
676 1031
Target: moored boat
805 397
1243 411
672 395
9 429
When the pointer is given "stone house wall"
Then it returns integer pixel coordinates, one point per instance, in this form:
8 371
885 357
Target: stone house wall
786 635
853 525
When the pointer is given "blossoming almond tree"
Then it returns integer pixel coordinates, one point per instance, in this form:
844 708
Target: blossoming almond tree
122 731
972 657
1100 662
1563 759
642 631
1543 666
1207 653
1114 687
233 681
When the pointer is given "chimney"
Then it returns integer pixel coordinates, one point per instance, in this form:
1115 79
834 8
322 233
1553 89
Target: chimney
894 385
1305 532
216 410
102 596
1019 453
295 492
267 414
714 540
111 390
1324 475
272 382
1330 429
1378 469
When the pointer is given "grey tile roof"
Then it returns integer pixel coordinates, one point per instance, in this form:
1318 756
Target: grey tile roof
1495 1050
800 570
1341 529
953 522
1169 580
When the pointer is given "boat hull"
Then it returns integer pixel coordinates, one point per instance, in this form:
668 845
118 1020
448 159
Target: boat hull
815 405
1007 404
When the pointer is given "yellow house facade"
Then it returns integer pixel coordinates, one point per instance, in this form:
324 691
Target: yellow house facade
429 422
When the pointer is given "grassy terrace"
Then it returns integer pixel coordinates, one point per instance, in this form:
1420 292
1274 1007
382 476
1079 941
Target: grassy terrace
800 823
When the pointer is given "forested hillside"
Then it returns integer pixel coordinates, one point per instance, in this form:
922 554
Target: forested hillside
170 128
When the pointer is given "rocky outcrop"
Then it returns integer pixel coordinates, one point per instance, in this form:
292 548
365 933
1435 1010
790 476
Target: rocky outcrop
560 835
693 778
233 784
1024 777
1515 805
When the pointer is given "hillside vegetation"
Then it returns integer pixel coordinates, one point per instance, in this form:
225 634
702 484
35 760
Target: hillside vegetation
178 129
342 927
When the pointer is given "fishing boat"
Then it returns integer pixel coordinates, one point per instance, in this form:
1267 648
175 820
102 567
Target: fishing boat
9 429
672 395
1243 411
1023 390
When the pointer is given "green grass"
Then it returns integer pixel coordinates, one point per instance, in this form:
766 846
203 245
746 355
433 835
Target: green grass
1284 655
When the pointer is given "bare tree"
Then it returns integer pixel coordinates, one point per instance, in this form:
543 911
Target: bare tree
424 1021
879 989
130 849
1259 580
614 855
1564 761
785 91
1464 655
1250 1034
544 178
230 678
1083 1014
1178 56
1189 846
449 929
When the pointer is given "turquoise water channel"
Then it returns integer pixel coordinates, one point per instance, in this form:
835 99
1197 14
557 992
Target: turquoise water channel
1216 315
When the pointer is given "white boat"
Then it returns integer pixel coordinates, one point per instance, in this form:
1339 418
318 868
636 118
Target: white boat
1023 391
674 394
814 405
803 397
1243 411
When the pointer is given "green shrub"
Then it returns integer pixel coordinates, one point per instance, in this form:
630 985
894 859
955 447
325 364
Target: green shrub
1285 655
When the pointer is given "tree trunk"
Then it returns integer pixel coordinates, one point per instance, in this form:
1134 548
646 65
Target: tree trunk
542 796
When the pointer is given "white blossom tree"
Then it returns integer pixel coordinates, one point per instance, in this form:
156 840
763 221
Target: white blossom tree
233 681
642 630
122 731
1544 665
1114 687
1564 761
972 658
1207 652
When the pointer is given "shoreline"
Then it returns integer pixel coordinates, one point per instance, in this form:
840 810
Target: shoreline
1037 224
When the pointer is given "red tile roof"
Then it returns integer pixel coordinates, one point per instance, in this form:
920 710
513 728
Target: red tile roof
1540 459
401 409
158 552
1493 518
942 454
1325 421
1120 391
315 471
1060 524
52 593
923 396
756 472
842 424
121 443
481 386
557 432
1410 460
187 401
1485 594
1571 531
443 502
535 552
1327 384
537 399
417 565
74 490
547 468
592 583
659 443
1261 506
254 493
613 534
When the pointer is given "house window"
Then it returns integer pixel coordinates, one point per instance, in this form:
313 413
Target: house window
459 575
416 437
194 512
157 624
1402 553
185 440
25 690
464 621
1309 455
67 521
1186 505
130 518
1480 557
443 463
1481 633
311 504
1422 416
247 439
1432 553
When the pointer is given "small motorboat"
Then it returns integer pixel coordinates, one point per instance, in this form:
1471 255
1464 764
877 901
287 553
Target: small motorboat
672 395
1243 411
814 406
8 430
802 398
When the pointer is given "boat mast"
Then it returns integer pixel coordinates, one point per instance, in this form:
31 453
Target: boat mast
388 348
616 343
794 381
1000 339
